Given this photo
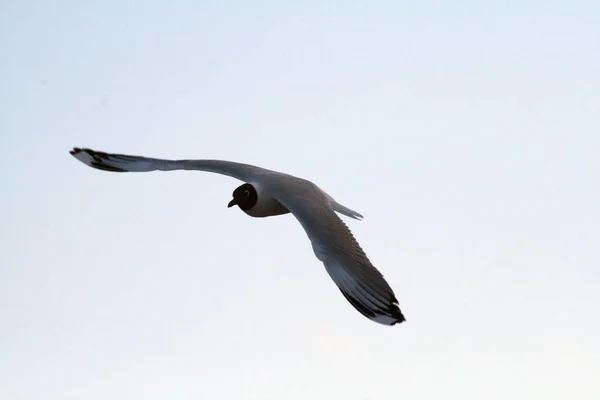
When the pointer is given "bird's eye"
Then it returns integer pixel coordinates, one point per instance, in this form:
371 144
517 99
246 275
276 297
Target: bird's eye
247 193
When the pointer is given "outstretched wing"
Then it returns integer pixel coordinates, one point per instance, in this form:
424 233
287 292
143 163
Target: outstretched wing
128 163
345 261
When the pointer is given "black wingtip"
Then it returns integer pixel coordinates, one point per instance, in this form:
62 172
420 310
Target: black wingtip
95 159
399 318
75 150
397 313
392 312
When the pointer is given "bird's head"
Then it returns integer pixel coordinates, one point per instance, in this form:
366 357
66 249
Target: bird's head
245 197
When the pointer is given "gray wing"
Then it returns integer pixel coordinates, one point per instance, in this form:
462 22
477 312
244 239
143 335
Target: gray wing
345 261
128 163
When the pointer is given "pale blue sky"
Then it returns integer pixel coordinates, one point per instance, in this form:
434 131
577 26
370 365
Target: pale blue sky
468 135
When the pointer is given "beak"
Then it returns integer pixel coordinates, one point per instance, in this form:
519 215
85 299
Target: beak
232 203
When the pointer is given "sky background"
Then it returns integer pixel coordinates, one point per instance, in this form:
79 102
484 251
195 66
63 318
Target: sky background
467 134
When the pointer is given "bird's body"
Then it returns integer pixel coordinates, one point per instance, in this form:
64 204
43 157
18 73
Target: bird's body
268 193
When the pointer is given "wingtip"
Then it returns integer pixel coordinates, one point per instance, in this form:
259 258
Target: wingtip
398 318
388 320
76 150
397 313
80 154
393 316
95 159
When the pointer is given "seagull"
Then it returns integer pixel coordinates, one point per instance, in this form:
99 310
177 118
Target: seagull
267 193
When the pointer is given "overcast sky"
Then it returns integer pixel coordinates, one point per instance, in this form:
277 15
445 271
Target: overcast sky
468 135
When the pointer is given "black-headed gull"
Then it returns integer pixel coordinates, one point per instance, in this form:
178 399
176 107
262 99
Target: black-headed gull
267 193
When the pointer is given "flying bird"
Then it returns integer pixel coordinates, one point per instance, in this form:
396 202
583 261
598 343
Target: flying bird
267 193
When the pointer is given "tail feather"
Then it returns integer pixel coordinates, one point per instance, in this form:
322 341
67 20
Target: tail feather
345 210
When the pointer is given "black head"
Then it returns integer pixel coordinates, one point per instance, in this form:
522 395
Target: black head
244 196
